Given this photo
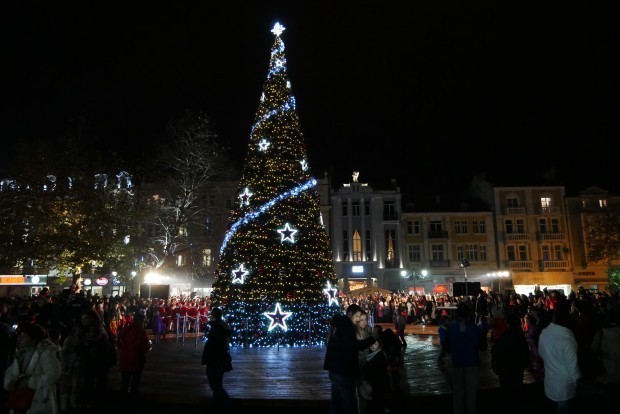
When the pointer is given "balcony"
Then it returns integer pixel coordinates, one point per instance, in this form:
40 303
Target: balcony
548 210
511 211
440 263
441 234
516 236
550 236
553 265
520 264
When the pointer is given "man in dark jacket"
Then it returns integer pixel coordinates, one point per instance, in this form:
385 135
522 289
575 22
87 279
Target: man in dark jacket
341 360
214 356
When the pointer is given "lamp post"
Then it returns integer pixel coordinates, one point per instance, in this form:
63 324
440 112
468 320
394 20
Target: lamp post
414 276
464 265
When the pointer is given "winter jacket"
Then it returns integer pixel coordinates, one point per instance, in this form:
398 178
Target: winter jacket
463 343
133 344
217 343
557 347
44 372
341 356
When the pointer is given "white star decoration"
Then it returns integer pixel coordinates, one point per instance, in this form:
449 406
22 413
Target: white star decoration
278 318
287 233
239 274
245 197
262 97
304 165
278 29
331 294
263 145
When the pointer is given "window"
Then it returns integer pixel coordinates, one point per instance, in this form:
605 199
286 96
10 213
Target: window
460 253
512 201
355 209
437 252
413 227
602 203
368 245
520 226
545 202
390 247
357 245
542 225
345 209
180 260
211 200
206 257
483 253
435 226
557 252
508 226
546 254
472 252
414 253
345 245
555 225
367 208
460 226
389 210
523 252
479 226
511 253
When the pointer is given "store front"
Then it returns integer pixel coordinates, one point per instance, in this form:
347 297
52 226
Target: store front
21 285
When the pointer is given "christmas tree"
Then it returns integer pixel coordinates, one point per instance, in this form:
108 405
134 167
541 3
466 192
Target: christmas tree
275 278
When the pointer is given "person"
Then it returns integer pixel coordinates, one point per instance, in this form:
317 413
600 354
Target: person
399 326
92 343
557 347
214 355
510 355
133 344
35 366
441 332
341 360
462 341
364 390
378 374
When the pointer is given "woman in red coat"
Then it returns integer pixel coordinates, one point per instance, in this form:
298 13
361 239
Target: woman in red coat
133 344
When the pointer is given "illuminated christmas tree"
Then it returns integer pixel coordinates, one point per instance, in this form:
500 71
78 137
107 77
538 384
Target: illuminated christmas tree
275 277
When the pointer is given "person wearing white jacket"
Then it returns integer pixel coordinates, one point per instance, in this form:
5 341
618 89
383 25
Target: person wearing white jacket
557 347
36 365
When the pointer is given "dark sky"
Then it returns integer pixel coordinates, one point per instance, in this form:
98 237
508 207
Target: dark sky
427 94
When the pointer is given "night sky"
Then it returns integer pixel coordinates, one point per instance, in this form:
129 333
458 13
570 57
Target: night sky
427 94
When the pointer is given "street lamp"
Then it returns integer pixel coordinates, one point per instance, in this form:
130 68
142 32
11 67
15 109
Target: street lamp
464 265
414 276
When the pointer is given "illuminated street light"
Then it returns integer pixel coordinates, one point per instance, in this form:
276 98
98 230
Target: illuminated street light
414 276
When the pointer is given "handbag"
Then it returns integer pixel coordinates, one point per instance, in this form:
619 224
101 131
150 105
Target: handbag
20 399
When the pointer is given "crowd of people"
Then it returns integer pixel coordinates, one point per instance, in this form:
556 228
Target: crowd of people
560 339
568 343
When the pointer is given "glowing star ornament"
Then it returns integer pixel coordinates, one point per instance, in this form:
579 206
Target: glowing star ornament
239 274
332 294
288 234
245 197
304 165
278 29
263 145
278 318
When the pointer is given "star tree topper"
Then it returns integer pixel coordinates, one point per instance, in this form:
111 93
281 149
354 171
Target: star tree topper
331 294
278 29
239 274
287 233
278 318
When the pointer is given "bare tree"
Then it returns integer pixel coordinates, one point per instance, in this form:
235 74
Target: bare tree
603 241
193 157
